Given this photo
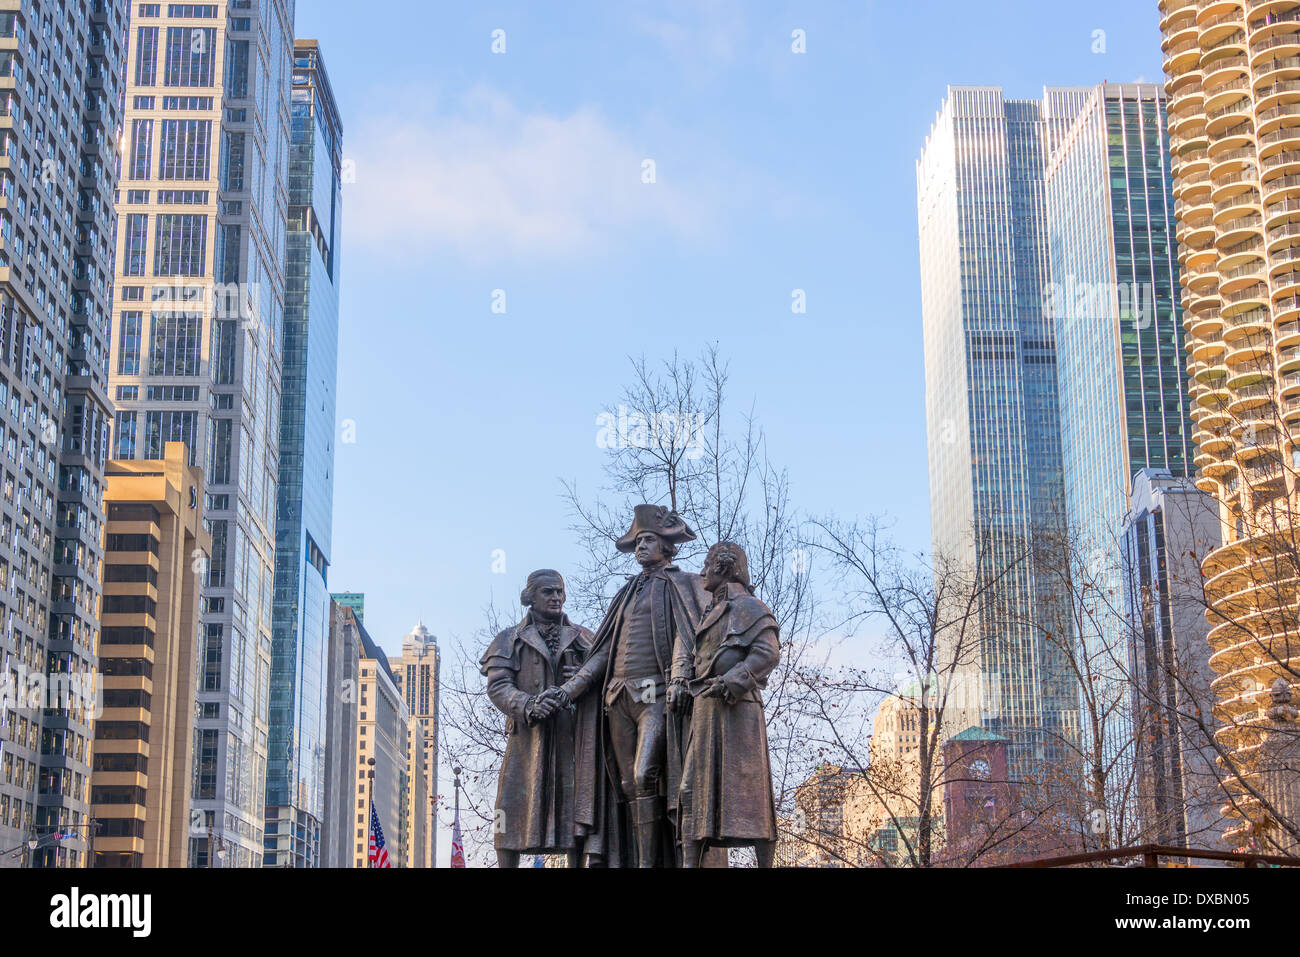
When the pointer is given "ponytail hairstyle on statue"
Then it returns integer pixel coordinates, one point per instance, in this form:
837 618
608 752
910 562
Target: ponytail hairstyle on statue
535 579
733 558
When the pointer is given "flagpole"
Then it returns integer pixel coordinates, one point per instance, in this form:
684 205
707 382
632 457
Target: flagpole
457 850
370 775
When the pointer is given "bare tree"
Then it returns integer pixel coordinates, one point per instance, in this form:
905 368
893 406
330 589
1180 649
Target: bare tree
930 618
672 441
472 737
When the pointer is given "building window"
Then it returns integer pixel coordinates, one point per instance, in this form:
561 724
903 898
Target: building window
146 56
189 60
183 149
174 343
180 246
137 243
168 426
124 434
128 344
141 149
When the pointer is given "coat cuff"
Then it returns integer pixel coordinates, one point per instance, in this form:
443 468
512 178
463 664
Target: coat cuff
739 681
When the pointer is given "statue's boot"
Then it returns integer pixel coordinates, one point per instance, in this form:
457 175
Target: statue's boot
646 817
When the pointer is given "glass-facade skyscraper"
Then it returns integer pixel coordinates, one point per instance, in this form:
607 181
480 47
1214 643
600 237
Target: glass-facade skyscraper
197 329
992 413
295 784
1119 346
60 94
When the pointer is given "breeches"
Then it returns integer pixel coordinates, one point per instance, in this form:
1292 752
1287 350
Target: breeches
639 736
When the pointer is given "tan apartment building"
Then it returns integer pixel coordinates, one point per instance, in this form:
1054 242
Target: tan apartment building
419 819
1233 86
416 674
384 734
155 553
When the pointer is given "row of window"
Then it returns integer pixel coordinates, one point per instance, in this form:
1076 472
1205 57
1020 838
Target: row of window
180 244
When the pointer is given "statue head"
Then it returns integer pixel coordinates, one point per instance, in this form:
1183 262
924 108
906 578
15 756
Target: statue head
725 563
654 536
652 549
544 594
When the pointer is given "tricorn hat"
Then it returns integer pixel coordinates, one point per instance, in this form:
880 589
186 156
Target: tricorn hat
658 519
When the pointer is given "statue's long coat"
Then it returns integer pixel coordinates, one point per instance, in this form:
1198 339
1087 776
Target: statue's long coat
535 789
677 600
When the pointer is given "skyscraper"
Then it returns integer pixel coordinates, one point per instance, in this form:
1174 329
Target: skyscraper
992 414
416 674
1232 70
1119 361
60 90
341 750
354 600
1171 524
197 347
384 736
300 697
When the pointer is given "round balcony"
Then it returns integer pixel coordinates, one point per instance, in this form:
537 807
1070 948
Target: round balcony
1212 12
1281 211
1216 69
1252 297
1213 395
1175 14
1286 314
1232 233
1205 351
1234 109
1274 41
1283 234
1275 92
1197 258
1287 361
1193 189
1281 187
1213 441
1191 162
1291 410
1280 162
1206 484
1244 202
1273 120
1245 351
1234 135
1204 324
1243 376
1243 398
1232 177
1285 282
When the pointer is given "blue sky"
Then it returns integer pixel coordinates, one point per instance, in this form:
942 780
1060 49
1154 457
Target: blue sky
521 171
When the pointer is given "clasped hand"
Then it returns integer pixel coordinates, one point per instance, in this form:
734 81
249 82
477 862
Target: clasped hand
542 706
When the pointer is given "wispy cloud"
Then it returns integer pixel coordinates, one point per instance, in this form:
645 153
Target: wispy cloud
485 181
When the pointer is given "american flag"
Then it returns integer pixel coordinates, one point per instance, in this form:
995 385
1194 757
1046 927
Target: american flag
457 847
378 849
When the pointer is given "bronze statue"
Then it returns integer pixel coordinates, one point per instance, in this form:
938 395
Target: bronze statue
725 798
635 742
524 666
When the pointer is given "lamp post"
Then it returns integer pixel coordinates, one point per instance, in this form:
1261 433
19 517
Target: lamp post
216 850
456 783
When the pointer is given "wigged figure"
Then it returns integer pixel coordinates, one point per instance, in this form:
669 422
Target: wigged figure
525 666
725 797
